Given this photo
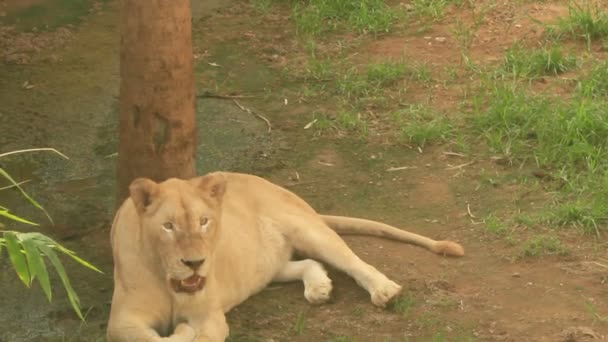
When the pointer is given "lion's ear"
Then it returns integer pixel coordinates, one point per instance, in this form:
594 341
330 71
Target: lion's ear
143 191
212 185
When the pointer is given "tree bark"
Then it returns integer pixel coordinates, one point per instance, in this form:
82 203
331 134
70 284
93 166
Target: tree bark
157 136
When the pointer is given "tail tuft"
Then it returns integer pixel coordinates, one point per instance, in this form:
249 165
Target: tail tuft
448 248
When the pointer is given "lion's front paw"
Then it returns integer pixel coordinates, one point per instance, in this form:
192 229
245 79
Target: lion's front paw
318 292
384 293
183 332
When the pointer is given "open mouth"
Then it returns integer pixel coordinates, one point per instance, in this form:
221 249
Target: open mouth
192 284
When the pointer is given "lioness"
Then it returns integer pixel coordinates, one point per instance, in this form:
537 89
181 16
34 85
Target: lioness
187 251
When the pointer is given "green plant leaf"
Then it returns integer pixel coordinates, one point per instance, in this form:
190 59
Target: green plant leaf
17 258
37 265
52 243
4 212
33 201
72 296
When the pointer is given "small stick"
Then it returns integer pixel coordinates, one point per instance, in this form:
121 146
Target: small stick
290 185
261 117
391 169
469 211
224 97
448 153
459 166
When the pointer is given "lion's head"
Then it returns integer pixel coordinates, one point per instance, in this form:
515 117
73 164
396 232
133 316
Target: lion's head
180 221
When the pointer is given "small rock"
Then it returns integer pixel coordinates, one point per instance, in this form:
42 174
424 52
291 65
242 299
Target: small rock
515 275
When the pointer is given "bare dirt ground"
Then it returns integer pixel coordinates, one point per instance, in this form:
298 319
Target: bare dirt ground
494 293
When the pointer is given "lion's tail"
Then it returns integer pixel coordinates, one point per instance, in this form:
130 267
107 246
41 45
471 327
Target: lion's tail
355 226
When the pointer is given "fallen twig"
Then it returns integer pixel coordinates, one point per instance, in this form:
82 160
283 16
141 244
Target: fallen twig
224 97
459 166
290 185
391 169
469 211
448 153
308 125
259 116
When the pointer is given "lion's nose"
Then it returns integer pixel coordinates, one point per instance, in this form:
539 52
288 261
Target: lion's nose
193 264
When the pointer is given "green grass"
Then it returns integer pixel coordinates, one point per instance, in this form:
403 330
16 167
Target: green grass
403 305
355 83
315 17
525 63
434 9
566 137
542 246
300 324
595 84
586 21
262 5
48 15
421 125
352 82
585 213
495 226
345 122
594 312
352 122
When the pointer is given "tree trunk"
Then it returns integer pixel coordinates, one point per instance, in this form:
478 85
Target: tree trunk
157 103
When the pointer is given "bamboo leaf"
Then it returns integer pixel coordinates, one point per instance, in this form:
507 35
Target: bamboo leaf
61 249
17 258
33 201
7 214
72 296
37 266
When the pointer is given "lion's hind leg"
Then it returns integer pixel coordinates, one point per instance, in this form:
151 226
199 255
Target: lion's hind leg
317 285
314 238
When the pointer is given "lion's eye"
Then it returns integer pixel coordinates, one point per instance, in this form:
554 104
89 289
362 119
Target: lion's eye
168 226
204 224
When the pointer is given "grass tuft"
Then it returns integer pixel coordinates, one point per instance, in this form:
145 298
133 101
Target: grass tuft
522 63
596 82
403 305
543 246
495 225
566 137
585 21
421 125
315 17
434 9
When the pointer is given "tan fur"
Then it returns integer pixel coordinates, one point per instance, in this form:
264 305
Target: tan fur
252 230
